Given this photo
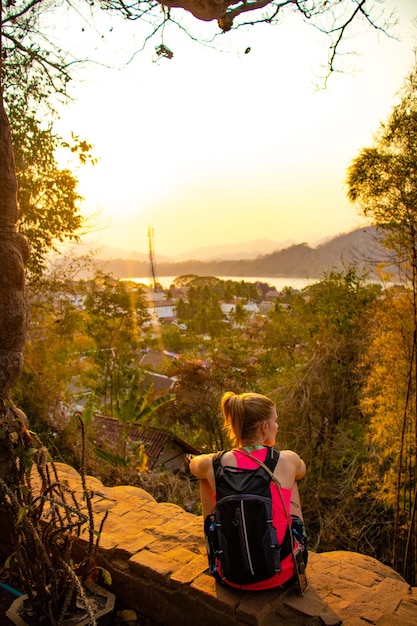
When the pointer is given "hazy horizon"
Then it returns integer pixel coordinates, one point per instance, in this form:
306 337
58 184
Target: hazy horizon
245 250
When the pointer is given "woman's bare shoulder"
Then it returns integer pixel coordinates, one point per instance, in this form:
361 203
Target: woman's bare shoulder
201 464
292 458
229 459
289 455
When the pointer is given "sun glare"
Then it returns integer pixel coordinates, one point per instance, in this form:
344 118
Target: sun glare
212 146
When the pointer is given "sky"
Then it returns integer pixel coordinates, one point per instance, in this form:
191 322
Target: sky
217 146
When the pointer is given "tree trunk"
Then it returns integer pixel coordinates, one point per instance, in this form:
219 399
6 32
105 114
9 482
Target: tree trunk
14 251
14 308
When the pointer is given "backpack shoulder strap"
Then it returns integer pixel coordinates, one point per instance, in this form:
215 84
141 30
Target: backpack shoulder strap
272 457
217 462
271 460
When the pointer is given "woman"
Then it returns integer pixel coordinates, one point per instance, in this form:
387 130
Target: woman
251 420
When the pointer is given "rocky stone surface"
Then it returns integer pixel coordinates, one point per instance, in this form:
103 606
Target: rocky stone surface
156 556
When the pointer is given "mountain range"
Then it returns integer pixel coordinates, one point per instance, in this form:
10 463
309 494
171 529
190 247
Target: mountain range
359 247
246 250
238 251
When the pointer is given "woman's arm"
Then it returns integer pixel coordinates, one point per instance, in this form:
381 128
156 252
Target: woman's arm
300 470
202 467
290 468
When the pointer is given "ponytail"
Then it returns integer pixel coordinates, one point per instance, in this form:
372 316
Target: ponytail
243 413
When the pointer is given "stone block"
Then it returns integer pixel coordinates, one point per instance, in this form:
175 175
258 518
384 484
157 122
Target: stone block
187 573
112 524
101 505
395 620
191 536
329 618
156 513
389 592
358 575
129 545
172 510
310 607
214 594
109 541
126 492
132 521
170 526
257 609
152 566
121 507
407 611
178 553
96 487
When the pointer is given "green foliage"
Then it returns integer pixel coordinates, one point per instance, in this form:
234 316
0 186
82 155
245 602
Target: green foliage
200 309
389 469
116 310
382 179
49 204
88 412
48 200
241 289
338 300
116 317
336 314
195 413
34 68
112 458
175 339
55 369
240 314
188 280
136 404
33 72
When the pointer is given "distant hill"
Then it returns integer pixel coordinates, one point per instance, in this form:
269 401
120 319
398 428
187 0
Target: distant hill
104 252
299 260
246 250
237 251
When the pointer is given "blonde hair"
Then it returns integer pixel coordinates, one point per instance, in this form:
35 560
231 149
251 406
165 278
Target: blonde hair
243 414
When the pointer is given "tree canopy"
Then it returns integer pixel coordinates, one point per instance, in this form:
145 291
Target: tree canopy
49 203
35 55
382 179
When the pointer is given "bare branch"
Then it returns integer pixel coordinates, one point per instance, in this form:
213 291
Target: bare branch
334 18
31 58
13 17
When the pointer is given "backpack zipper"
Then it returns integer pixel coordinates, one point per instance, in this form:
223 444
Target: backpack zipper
244 535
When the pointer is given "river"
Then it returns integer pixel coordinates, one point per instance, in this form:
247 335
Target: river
275 281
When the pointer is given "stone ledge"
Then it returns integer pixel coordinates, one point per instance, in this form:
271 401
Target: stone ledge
156 556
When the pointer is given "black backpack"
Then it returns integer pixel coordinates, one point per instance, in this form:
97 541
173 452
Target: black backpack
242 544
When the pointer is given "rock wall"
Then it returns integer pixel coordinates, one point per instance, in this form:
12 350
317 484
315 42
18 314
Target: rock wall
156 556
